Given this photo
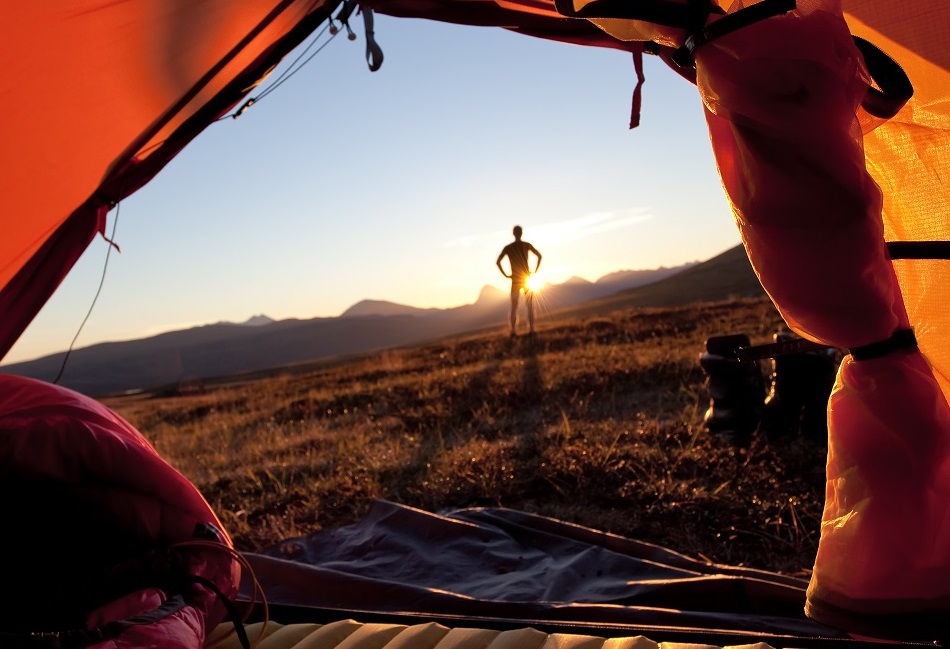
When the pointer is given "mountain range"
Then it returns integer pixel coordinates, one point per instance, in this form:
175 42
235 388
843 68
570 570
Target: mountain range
260 343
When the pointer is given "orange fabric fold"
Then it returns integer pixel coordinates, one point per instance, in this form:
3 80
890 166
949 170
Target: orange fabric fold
782 99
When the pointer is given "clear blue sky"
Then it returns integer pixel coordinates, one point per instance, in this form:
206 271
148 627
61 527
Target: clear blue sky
403 185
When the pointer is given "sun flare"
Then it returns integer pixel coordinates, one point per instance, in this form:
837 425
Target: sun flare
533 283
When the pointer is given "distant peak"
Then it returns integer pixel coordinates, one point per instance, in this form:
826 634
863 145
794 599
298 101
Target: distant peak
380 308
489 293
257 321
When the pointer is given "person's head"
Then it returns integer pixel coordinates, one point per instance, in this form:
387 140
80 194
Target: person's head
517 231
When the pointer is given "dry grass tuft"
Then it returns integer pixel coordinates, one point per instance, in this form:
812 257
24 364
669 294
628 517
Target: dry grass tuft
597 421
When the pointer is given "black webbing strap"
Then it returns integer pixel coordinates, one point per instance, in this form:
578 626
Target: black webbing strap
683 56
900 340
659 12
918 249
895 86
893 90
782 348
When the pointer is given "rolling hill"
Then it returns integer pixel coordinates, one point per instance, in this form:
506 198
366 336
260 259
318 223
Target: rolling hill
224 349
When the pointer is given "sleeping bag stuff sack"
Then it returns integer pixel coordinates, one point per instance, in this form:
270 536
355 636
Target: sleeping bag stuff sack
105 544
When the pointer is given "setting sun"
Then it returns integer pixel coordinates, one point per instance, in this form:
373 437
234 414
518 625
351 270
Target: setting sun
533 283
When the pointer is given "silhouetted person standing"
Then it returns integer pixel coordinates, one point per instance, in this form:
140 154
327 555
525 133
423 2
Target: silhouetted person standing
517 253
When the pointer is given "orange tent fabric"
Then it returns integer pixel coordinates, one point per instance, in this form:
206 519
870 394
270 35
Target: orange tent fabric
790 150
110 92
98 98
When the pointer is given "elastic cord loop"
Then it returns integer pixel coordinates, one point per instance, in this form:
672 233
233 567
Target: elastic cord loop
233 614
374 53
902 339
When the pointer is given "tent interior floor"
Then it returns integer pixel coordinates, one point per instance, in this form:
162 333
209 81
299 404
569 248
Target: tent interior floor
496 578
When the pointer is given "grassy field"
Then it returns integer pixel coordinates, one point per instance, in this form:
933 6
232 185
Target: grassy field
598 420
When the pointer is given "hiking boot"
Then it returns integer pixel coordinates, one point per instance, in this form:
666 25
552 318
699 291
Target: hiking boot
801 384
736 390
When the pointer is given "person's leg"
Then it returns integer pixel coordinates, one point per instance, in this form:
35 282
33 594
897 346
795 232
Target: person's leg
515 291
529 303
